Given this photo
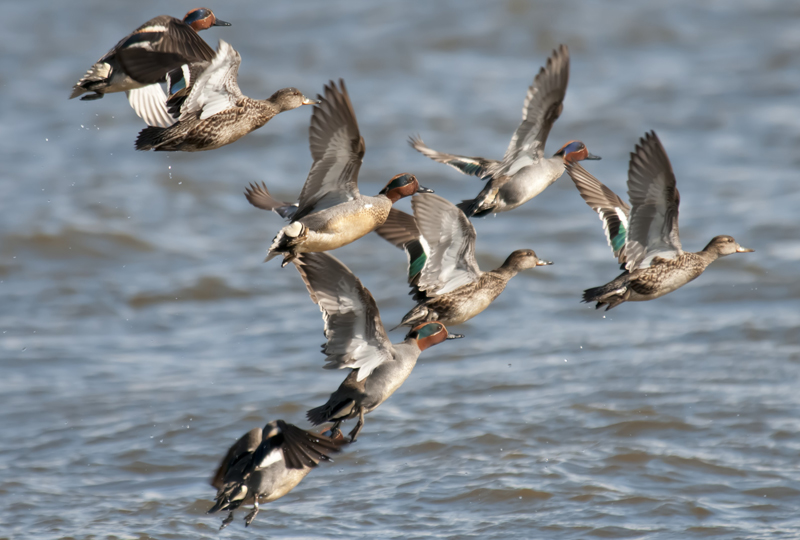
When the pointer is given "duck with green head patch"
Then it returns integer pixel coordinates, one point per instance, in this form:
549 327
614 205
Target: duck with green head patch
445 279
524 171
160 36
331 212
357 340
644 236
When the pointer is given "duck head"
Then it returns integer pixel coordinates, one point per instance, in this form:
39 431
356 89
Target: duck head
290 98
272 429
429 334
725 245
522 259
403 185
574 151
203 19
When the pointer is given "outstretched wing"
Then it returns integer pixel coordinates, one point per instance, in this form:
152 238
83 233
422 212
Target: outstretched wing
401 230
150 104
216 89
337 149
303 449
612 210
542 107
159 46
259 197
654 205
449 240
237 459
353 328
476 166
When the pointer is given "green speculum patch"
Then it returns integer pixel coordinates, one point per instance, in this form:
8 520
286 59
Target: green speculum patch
416 265
618 240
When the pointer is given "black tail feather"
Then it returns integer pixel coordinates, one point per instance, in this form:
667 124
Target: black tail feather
467 206
150 137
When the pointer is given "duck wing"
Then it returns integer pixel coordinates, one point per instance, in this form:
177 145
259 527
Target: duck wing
237 459
401 230
150 104
259 197
612 210
337 149
216 89
160 45
356 336
654 200
476 166
449 241
542 107
303 449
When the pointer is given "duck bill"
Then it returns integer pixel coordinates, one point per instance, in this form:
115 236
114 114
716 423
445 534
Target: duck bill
421 189
592 157
544 263
309 101
221 23
455 336
741 249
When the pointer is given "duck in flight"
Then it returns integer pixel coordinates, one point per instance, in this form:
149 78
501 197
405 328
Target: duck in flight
524 171
156 36
445 279
214 112
357 339
644 236
331 211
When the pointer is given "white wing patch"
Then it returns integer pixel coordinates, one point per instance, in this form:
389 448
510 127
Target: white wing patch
150 104
273 457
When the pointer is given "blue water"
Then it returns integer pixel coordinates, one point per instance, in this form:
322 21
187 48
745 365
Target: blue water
140 334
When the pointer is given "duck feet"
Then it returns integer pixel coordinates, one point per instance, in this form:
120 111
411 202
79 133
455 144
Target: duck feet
287 258
248 519
356 430
227 520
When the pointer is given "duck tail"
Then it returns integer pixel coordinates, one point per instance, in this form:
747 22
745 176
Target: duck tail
230 497
286 239
319 415
94 80
467 206
151 138
610 295
418 314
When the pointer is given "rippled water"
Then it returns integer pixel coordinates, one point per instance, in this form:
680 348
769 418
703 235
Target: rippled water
141 334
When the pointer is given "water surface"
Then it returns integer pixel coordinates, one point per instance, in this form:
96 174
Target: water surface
141 334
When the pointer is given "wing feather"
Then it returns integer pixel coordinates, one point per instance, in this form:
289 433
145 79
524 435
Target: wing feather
542 107
337 149
449 242
150 104
216 89
612 210
654 205
356 337
475 166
